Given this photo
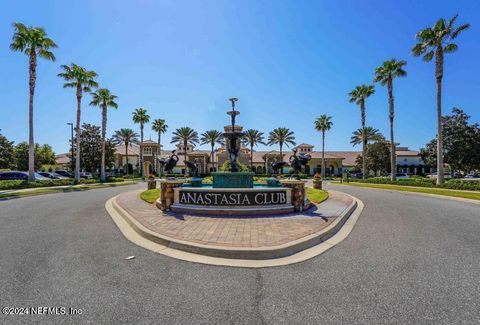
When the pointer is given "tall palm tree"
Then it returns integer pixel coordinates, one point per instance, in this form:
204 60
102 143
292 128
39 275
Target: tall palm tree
371 135
212 137
82 80
104 99
160 126
385 74
32 41
141 117
358 96
125 137
281 136
323 123
252 138
435 41
185 135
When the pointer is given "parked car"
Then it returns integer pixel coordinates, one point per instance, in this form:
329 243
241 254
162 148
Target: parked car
20 176
52 175
86 175
445 175
399 175
356 175
64 173
472 176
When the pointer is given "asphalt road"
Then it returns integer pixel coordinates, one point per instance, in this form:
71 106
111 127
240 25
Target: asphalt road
409 260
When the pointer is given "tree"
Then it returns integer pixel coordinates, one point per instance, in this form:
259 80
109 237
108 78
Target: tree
34 42
371 135
7 153
160 126
125 137
212 137
323 124
252 138
378 157
104 99
82 80
281 136
43 153
385 74
185 135
358 96
91 148
461 143
141 117
435 41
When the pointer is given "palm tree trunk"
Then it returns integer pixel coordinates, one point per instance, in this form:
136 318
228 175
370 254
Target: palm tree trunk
281 158
323 153
251 157
142 172
31 141
157 163
126 156
211 157
185 156
104 131
364 146
79 112
439 76
393 159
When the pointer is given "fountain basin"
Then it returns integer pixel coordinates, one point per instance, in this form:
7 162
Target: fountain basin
232 180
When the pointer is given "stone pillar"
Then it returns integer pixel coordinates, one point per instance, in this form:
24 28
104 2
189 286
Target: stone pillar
298 193
166 193
151 183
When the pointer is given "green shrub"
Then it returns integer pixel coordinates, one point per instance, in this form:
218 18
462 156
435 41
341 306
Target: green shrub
225 167
454 184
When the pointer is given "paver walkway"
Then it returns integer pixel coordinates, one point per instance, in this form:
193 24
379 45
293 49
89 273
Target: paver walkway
234 231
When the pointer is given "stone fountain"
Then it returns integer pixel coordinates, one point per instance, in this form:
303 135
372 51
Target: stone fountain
233 192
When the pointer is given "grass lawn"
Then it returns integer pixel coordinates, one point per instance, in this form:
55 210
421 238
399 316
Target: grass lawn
32 192
150 196
316 196
429 190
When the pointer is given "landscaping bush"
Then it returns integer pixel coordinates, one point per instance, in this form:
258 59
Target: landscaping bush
454 184
15 185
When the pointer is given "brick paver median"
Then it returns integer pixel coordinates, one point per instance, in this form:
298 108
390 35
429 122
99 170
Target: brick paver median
249 232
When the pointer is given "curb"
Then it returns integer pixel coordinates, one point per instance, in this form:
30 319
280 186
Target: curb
289 253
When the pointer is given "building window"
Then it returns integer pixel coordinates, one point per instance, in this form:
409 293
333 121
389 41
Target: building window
147 151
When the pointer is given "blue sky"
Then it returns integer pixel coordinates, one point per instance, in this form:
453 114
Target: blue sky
287 62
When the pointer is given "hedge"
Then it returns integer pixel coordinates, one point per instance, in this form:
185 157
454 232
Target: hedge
454 184
15 185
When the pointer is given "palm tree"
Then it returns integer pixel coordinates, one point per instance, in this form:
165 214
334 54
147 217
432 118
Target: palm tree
140 116
32 41
160 126
82 80
185 135
437 40
281 136
103 98
371 135
323 124
252 138
125 137
358 96
385 75
212 137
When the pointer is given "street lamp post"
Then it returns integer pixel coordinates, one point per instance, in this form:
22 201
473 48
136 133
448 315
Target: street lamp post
71 140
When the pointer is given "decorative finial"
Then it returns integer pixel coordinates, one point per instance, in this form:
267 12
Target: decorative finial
233 100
